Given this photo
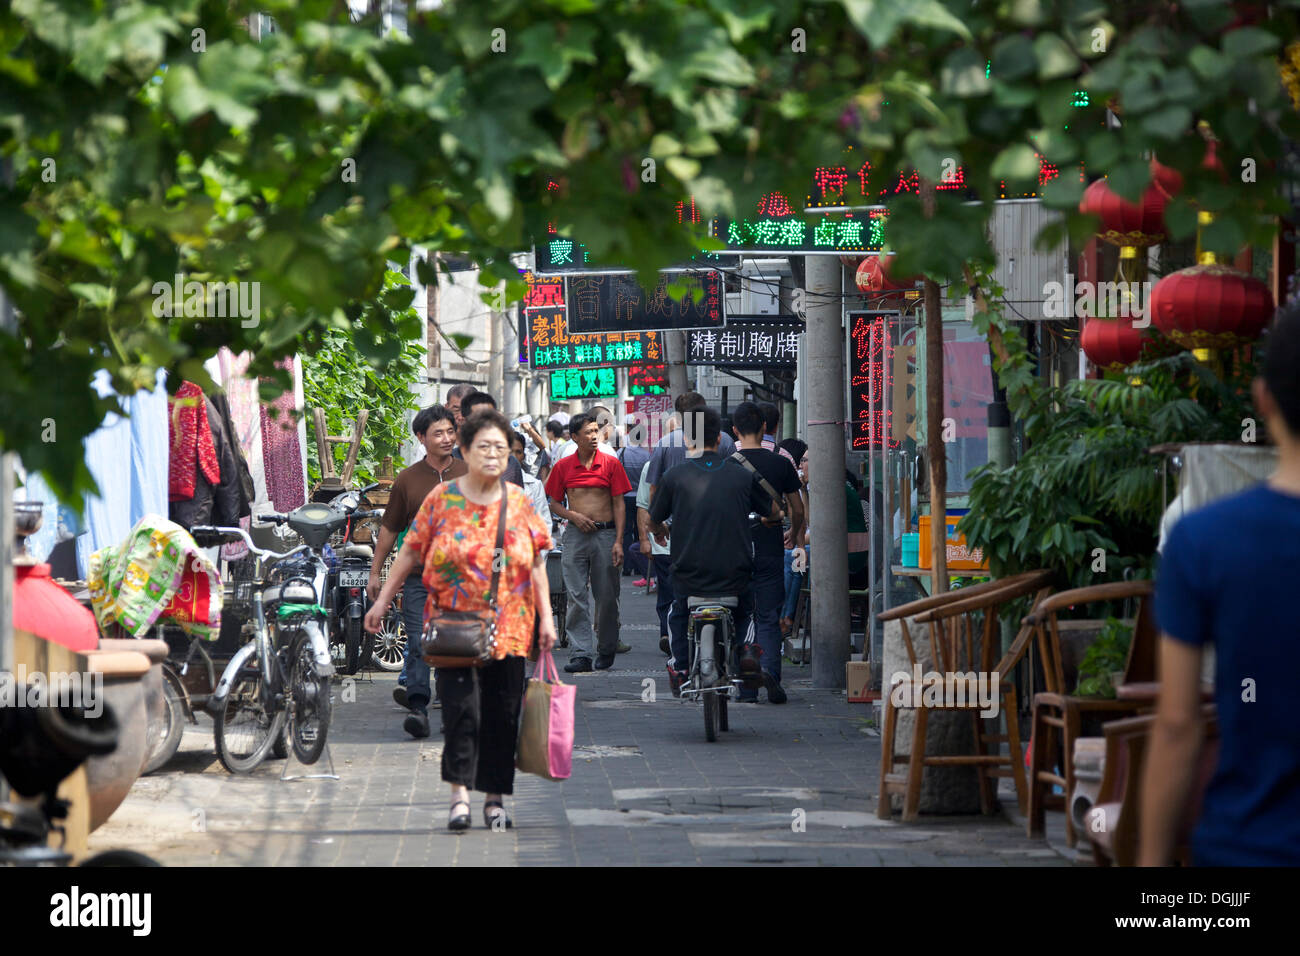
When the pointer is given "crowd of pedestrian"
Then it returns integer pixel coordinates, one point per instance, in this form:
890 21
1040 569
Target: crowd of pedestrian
605 495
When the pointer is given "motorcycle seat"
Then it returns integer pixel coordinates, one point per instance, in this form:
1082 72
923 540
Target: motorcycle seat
357 551
726 600
295 592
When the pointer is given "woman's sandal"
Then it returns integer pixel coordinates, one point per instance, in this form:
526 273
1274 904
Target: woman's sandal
490 818
456 822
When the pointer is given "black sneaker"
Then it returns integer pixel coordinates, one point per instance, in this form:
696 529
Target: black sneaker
417 724
675 681
399 696
666 646
579 665
604 663
775 692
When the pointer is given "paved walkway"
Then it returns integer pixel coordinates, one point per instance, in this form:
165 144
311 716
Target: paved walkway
793 784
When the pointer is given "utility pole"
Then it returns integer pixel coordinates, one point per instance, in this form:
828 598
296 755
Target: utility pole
497 354
675 352
824 339
432 341
935 449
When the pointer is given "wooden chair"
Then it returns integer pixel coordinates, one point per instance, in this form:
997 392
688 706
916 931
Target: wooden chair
1058 713
1113 822
955 649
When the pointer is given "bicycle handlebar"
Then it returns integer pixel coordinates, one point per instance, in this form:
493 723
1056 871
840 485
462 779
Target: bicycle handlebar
212 531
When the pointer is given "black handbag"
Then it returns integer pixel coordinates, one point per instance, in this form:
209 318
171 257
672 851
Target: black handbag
468 638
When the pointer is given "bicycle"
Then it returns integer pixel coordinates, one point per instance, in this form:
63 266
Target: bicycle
277 684
710 633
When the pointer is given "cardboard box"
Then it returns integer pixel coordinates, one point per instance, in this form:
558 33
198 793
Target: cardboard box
857 678
960 557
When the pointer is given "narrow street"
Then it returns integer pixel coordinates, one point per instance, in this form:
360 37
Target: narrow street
646 790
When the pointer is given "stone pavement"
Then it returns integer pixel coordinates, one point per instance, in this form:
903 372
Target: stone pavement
792 784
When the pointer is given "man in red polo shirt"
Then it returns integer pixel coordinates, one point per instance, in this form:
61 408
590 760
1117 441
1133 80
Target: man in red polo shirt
586 489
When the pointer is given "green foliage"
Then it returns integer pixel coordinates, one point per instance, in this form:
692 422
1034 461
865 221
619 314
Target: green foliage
345 371
1086 480
1106 655
183 146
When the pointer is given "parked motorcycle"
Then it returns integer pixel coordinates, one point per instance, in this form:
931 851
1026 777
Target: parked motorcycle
345 598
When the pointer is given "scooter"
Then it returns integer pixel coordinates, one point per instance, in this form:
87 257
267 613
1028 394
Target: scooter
345 598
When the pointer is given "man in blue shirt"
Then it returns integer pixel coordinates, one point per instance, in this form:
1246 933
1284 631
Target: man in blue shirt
1227 578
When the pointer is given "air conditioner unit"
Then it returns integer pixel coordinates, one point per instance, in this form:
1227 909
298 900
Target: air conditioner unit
761 295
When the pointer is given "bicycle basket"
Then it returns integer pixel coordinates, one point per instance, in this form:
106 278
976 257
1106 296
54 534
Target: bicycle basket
238 587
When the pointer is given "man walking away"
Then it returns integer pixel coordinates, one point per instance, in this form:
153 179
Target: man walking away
709 499
593 484
435 429
1227 579
671 450
779 479
476 401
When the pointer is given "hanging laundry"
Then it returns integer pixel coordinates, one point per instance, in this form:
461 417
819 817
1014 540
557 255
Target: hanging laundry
128 458
282 451
157 573
190 438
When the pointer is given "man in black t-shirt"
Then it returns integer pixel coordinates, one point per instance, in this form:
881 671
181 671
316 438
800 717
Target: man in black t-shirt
770 543
709 499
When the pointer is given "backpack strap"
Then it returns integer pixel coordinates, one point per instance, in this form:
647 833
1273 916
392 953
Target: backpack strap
762 482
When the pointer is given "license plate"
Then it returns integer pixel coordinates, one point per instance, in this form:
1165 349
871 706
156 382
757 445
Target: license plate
353 579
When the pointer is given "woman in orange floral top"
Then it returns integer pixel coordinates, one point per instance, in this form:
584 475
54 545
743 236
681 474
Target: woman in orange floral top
452 539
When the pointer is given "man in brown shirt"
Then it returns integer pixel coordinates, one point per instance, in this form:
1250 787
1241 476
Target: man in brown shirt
435 428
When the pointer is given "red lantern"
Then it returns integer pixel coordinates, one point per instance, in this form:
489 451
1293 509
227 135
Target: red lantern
1133 224
1112 344
1211 306
874 276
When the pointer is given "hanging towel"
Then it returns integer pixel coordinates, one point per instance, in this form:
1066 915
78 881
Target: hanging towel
190 437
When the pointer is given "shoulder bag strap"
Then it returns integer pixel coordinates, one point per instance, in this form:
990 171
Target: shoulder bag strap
762 482
501 540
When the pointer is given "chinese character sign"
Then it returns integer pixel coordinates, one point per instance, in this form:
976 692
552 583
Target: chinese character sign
543 293
871 369
617 303
847 233
583 383
647 379
745 345
553 346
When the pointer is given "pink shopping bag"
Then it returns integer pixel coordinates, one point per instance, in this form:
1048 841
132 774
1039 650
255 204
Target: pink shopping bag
546 724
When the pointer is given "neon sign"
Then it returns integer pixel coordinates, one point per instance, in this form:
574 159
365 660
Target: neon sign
583 383
552 346
871 367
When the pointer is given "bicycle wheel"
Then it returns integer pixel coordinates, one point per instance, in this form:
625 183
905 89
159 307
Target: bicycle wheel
169 741
560 608
247 726
710 699
390 643
309 702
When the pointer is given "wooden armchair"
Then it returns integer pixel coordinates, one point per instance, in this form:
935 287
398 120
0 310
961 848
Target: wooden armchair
1112 824
955 649
1058 713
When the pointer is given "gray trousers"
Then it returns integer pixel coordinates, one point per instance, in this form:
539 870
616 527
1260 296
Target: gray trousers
592 583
